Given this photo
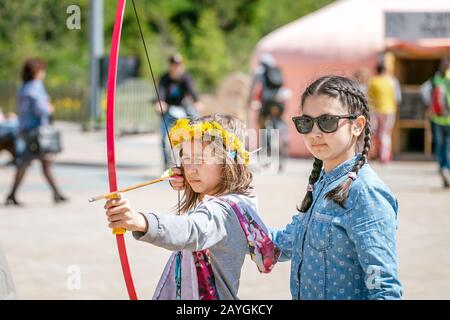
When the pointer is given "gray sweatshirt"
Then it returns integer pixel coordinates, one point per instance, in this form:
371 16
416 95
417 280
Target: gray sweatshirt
211 225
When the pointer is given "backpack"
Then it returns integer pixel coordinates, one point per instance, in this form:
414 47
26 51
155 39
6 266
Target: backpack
439 102
273 78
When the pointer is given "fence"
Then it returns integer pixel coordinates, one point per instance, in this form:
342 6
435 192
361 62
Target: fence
134 108
69 103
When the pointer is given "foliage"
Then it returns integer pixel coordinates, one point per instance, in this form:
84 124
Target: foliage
216 37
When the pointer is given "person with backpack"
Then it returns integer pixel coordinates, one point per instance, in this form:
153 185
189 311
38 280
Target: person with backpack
266 89
34 112
436 94
268 96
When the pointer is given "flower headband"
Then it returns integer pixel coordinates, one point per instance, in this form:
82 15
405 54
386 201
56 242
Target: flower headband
184 131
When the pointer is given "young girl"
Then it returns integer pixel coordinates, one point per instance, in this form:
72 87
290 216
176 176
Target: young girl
342 243
221 225
343 240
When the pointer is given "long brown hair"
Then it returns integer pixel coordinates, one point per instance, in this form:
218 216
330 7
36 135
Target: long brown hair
348 93
236 176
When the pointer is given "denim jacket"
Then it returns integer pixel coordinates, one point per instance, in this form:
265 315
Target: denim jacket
344 253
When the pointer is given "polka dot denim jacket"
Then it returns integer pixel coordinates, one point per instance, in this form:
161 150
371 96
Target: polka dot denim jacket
346 253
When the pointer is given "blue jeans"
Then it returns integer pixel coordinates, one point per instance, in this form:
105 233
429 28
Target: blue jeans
441 139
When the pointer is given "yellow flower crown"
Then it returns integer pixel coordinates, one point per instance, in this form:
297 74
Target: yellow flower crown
184 131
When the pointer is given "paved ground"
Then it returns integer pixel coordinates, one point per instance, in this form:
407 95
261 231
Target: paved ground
47 244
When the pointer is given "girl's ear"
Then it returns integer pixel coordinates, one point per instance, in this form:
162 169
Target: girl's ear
358 125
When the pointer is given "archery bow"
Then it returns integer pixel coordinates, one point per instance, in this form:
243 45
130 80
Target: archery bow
110 142
110 138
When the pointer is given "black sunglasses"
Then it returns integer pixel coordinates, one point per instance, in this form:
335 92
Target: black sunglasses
326 123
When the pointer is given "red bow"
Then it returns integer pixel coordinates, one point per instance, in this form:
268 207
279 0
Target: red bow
110 106
110 141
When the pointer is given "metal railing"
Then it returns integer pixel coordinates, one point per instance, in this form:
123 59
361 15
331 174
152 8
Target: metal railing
134 108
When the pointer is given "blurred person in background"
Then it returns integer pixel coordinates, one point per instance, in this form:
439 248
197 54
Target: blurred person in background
384 94
34 110
175 87
436 95
268 96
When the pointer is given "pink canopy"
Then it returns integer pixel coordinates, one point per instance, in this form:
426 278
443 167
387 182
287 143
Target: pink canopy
338 39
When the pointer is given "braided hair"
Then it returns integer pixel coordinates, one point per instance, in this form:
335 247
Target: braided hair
349 94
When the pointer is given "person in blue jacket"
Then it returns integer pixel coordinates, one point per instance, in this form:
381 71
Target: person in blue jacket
34 110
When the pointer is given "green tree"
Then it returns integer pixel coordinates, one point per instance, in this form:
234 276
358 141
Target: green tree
38 28
216 37
208 54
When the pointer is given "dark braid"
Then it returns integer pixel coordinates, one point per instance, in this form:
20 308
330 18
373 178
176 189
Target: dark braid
313 177
348 92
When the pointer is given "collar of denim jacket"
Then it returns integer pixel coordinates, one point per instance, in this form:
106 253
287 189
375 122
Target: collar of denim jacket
340 171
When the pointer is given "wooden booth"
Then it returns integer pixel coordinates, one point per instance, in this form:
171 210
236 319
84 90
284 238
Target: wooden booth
416 42
411 137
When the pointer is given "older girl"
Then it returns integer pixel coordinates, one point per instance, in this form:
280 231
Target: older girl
342 242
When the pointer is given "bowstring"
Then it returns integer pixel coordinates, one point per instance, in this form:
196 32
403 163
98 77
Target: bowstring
157 93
